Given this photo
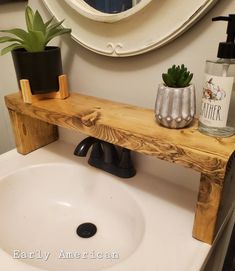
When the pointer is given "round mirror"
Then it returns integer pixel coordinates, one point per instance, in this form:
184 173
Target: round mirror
108 11
120 28
112 6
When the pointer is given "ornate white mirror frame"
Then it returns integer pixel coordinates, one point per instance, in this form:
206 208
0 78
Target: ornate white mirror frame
148 25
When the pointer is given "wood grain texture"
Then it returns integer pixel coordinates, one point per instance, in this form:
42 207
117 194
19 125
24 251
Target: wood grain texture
216 202
31 134
209 198
134 128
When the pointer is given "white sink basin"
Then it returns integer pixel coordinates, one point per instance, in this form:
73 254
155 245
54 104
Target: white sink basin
142 223
42 206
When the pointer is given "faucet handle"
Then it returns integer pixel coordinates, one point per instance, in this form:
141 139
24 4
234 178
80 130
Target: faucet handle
110 153
125 159
97 151
125 165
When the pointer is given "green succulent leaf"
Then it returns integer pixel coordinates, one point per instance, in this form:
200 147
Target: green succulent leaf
8 39
55 25
169 81
36 41
29 18
38 24
57 33
177 76
49 22
56 30
20 33
188 80
10 48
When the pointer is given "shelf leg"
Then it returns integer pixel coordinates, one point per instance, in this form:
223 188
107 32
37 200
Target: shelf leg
207 208
31 134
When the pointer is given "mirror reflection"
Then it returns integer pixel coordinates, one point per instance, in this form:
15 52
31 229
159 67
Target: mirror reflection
112 6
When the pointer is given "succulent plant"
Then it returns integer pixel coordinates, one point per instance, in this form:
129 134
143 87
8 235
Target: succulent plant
177 77
38 35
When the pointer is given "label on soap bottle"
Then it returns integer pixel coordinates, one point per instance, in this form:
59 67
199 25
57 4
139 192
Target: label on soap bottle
215 100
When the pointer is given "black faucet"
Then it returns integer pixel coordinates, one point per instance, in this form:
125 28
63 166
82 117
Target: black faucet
105 156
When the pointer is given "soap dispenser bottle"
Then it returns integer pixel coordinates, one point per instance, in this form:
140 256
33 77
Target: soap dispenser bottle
217 116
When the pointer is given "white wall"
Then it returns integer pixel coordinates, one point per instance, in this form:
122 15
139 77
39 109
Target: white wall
11 16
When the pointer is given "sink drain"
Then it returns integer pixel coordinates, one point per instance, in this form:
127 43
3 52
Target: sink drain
86 230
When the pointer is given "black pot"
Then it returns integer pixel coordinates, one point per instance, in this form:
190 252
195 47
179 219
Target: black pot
40 68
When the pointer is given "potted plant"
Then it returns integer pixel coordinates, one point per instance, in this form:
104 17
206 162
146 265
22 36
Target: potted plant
33 59
175 104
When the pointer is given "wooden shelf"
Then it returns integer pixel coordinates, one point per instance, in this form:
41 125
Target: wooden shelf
133 128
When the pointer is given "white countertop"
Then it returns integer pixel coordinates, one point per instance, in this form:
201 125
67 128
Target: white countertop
167 243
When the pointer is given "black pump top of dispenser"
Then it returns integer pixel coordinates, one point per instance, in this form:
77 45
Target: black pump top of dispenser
227 49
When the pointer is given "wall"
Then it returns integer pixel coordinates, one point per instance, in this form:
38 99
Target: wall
11 16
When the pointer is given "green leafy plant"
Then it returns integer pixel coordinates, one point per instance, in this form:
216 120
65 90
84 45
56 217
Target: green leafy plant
177 77
37 36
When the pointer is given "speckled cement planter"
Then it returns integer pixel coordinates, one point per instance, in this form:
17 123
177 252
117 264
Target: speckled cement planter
175 107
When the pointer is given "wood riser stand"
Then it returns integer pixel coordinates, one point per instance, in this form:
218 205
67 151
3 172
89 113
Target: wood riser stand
35 125
29 98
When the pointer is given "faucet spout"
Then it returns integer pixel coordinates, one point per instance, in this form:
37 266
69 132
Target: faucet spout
83 147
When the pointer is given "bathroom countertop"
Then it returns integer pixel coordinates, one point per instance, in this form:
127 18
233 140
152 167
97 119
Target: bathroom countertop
167 243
